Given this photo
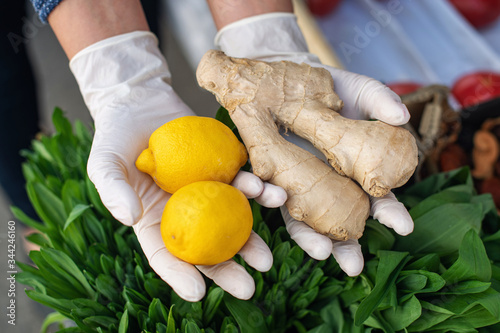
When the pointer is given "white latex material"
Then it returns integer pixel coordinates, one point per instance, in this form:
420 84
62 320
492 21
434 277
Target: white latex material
276 36
124 81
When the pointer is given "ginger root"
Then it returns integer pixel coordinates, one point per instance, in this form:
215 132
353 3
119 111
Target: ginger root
260 96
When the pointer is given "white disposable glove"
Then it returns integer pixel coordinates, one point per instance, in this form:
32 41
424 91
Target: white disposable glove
125 83
276 36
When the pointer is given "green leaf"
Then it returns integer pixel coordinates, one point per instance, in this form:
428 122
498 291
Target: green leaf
122 246
298 277
302 299
107 264
171 321
99 321
94 229
34 280
71 193
134 296
95 199
429 236
56 281
440 181
472 262
228 326
223 116
70 330
314 278
390 265
82 133
333 317
38 239
489 299
471 311
20 215
248 316
330 289
61 262
108 287
47 205
411 282
356 290
61 305
455 194
191 327
52 318
280 253
433 281
403 315
157 312
431 316
161 328
211 304
93 305
490 215
31 172
41 149
155 287
429 262
377 237
61 123
123 326
466 287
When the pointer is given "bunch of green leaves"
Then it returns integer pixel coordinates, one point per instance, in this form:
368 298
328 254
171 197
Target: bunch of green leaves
91 269
440 277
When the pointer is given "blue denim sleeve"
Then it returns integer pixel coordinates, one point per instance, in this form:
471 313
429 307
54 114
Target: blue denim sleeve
44 7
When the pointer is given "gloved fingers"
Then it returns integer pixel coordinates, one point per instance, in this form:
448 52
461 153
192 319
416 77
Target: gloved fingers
184 278
253 187
231 277
256 253
248 183
391 213
110 179
272 196
367 98
317 246
349 256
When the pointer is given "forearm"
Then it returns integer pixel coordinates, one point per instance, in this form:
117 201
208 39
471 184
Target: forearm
81 23
225 12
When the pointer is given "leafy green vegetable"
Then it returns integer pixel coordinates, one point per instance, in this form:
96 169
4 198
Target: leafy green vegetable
443 277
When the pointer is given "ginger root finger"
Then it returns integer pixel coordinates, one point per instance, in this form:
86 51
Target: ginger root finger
329 203
302 99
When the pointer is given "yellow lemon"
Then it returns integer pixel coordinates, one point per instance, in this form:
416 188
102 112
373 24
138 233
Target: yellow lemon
206 223
190 149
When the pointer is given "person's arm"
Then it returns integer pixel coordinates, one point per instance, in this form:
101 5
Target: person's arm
81 23
225 12
125 83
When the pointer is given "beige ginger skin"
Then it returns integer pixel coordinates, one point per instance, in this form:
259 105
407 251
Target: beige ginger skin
260 96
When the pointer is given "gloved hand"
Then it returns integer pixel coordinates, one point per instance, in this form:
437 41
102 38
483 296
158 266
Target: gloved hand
125 83
276 36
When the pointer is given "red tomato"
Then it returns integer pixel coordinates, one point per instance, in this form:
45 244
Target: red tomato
476 88
479 13
403 88
322 7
